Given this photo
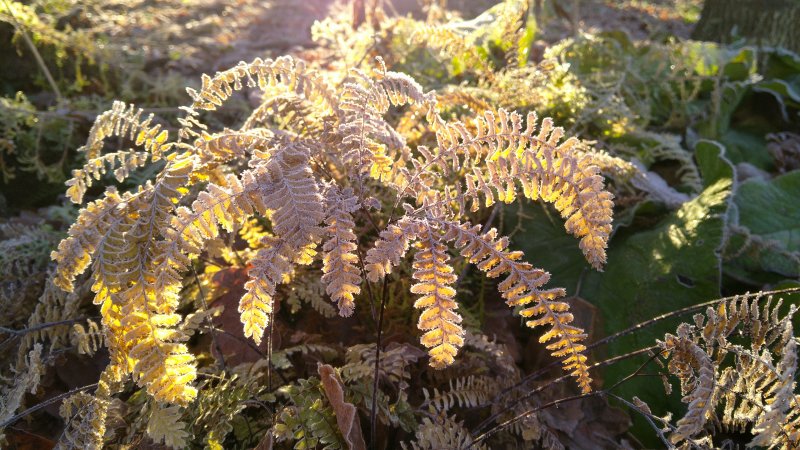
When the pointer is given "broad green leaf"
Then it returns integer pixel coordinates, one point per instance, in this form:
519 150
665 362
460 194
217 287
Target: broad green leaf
765 247
772 208
670 266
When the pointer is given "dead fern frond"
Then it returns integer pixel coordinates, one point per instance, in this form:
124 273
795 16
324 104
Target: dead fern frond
522 287
444 334
341 275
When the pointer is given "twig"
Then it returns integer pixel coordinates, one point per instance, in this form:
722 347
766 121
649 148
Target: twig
373 410
35 52
45 404
208 319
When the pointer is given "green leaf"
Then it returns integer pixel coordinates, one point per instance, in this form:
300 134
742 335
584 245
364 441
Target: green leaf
673 265
764 247
770 208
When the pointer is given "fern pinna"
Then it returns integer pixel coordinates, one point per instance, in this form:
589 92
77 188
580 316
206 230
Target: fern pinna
314 184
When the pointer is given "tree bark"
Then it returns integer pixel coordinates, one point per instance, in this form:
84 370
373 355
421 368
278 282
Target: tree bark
760 22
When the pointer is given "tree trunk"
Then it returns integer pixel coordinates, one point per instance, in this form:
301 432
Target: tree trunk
760 22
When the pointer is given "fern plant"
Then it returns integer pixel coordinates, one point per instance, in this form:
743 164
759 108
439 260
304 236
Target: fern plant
315 184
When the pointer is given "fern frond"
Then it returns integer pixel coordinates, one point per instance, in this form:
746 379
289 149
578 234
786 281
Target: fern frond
263 74
400 89
544 168
308 419
443 332
341 277
293 196
269 268
688 358
363 129
122 163
165 426
442 432
26 380
394 366
121 121
161 362
388 250
87 340
230 145
521 287
469 392
74 253
756 394
773 425
85 416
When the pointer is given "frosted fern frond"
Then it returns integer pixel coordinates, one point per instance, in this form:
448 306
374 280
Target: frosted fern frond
775 423
304 184
74 253
122 163
126 121
442 432
85 416
341 277
689 362
442 325
388 250
521 287
219 148
292 193
745 387
269 268
263 73
26 381
363 129
533 158
88 339
394 366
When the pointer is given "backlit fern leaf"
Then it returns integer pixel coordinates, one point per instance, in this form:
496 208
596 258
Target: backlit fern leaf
740 387
74 254
388 250
443 332
122 163
262 74
521 287
126 121
165 426
341 275
544 168
269 268
85 416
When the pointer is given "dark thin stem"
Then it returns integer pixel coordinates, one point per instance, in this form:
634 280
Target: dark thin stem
42 326
373 410
208 319
368 284
45 404
535 391
508 422
648 416
639 326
